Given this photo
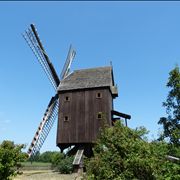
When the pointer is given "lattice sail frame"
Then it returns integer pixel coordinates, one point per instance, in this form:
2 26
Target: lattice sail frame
44 128
32 38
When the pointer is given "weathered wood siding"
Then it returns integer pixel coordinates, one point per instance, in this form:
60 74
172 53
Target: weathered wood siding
82 110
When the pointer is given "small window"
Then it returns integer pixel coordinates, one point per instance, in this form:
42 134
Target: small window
67 98
99 115
66 118
99 95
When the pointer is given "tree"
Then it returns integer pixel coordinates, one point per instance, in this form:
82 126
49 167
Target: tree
10 156
62 163
35 157
48 156
123 153
171 123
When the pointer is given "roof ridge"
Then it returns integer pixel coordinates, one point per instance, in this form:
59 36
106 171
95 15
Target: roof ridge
100 67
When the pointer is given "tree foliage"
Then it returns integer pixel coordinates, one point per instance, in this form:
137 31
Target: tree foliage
10 156
46 156
171 123
122 153
62 163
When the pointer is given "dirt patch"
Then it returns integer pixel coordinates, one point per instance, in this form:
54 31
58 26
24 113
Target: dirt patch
46 175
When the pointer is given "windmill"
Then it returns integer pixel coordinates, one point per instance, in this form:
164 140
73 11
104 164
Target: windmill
32 38
83 101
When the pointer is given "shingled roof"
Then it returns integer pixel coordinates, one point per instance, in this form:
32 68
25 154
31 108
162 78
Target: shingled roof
88 78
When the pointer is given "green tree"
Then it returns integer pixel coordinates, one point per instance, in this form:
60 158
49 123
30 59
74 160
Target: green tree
10 156
48 156
171 123
35 157
123 153
62 163
57 158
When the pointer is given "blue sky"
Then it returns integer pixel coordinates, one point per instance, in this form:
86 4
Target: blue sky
142 39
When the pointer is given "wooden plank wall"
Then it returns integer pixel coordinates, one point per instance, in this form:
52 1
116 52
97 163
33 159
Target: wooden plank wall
82 109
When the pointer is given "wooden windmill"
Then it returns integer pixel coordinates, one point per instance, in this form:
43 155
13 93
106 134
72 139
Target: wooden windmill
83 100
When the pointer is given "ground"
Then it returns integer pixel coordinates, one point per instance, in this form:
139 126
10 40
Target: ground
46 175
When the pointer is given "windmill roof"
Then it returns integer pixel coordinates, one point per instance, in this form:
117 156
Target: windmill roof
88 78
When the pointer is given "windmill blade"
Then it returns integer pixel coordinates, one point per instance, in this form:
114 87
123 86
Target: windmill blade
67 65
44 127
33 40
28 36
55 76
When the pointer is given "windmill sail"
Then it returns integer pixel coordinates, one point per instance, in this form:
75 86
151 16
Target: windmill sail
69 59
33 40
44 127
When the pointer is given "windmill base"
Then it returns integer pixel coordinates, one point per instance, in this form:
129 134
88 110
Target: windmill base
88 152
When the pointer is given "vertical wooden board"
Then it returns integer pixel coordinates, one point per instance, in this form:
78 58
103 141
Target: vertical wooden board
92 115
80 116
89 115
93 110
110 107
103 109
76 102
73 117
107 105
59 132
97 108
86 117
60 122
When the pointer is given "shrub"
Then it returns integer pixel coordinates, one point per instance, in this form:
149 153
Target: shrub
57 158
62 163
65 166
10 156
122 153
47 156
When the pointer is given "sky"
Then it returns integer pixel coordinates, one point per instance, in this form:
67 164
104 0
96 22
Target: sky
142 39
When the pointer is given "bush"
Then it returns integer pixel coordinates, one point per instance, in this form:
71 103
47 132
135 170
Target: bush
122 153
65 166
47 156
10 156
57 158
62 163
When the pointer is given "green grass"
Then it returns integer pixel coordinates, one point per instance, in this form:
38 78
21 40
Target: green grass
35 164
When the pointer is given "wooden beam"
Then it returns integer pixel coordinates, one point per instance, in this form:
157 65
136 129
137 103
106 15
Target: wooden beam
126 116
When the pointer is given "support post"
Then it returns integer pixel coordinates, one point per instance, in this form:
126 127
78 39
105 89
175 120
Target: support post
126 122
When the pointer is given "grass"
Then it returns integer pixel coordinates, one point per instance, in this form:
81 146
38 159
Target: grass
35 164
